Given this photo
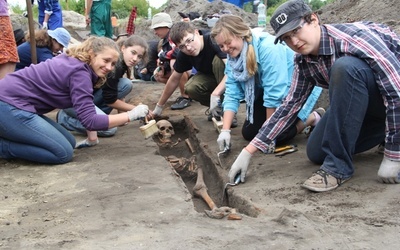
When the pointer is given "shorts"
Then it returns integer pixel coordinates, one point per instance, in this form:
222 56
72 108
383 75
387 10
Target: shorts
8 46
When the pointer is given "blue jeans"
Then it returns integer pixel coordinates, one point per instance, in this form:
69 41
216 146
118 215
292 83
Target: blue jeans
33 137
354 122
68 118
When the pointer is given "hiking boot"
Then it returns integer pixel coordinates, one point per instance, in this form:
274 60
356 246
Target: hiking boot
321 181
181 103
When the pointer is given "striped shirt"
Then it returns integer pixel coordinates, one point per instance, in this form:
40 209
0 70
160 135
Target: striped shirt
374 43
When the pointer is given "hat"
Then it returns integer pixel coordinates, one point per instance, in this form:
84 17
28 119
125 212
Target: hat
61 35
161 20
287 17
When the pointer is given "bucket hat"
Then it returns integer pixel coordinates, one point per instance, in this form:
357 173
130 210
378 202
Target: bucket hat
61 35
287 17
161 20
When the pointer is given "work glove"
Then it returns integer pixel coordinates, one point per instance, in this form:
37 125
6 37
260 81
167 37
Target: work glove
224 139
215 101
158 110
139 112
389 171
44 26
240 165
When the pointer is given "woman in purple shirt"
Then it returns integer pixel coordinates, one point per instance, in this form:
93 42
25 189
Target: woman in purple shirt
62 82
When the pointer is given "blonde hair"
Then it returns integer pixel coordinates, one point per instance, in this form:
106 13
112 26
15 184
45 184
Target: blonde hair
231 25
91 47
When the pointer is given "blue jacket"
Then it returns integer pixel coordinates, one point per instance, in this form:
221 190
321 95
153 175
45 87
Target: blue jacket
25 56
275 68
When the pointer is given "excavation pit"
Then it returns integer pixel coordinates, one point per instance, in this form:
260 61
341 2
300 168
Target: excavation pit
185 154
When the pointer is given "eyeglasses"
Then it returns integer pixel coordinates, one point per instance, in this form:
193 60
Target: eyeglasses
186 43
288 37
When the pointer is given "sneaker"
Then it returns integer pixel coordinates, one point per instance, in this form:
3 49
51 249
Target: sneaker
234 122
381 148
321 181
181 103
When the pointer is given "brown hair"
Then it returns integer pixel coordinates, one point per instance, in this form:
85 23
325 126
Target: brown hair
93 45
231 25
179 30
42 39
134 40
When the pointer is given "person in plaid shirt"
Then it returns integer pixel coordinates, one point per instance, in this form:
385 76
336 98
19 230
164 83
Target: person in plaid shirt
360 65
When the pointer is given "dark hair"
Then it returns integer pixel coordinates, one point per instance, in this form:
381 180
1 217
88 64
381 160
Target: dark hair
179 30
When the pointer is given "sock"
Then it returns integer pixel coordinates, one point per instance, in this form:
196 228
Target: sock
86 143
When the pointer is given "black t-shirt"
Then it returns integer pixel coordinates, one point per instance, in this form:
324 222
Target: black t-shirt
203 61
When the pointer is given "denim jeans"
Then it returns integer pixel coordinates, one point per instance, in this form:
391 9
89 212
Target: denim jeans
354 122
29 136
68 118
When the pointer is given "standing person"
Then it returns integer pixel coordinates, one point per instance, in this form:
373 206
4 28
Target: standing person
258 72
98 16
49 14
161 24
48 44
8 47
359 64
64 81
196 50
112 94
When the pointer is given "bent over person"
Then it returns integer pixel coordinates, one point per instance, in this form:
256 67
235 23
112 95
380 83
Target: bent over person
359 64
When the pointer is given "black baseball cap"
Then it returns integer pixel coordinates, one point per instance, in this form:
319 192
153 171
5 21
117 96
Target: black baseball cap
287 17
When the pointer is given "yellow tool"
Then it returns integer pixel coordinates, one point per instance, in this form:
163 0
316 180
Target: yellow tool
283 148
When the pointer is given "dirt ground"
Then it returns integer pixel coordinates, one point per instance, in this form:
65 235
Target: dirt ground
123 194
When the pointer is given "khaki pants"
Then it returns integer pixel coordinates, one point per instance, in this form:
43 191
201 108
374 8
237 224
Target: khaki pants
200 86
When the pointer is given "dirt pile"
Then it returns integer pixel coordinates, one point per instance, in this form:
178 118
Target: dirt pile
381 11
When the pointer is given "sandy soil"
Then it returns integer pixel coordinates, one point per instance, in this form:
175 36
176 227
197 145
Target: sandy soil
123 194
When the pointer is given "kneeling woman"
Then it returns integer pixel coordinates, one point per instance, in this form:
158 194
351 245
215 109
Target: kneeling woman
64 81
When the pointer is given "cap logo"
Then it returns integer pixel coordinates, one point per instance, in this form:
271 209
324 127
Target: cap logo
281 18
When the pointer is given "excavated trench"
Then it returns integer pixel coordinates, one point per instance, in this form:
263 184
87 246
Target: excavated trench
184 153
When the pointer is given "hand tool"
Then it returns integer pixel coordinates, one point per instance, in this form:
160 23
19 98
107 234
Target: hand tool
287 151
236 182
280 149
225 150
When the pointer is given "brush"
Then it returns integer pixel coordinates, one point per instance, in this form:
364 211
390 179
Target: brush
149 129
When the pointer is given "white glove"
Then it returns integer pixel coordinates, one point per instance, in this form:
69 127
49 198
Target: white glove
214 102
44 26
389 171
240 165
158 110
139 112
224 139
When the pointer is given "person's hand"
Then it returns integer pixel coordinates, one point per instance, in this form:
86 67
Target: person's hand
143 71
139 112
224 139
214 102
240 165
389 171
158 110
44 26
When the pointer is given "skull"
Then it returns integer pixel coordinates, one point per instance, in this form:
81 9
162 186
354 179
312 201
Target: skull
165 130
